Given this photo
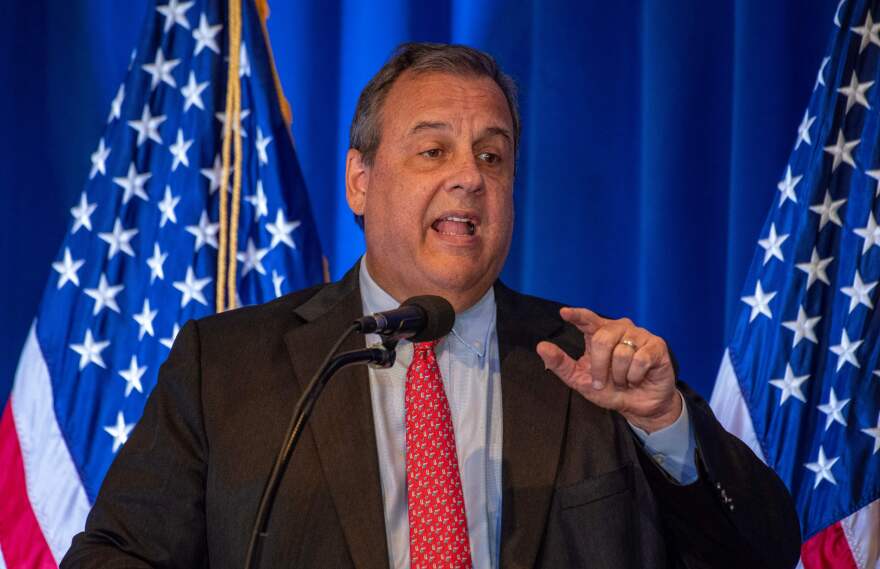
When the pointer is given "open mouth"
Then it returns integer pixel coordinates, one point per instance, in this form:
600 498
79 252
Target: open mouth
455 225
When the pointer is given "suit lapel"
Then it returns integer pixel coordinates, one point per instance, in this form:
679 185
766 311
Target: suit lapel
342 423
535 407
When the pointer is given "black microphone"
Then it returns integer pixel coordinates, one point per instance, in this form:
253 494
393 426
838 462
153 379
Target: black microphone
419 319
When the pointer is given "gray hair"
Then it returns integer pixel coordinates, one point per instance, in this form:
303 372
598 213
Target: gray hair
365 133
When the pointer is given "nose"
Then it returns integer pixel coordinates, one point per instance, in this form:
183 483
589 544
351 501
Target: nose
466 175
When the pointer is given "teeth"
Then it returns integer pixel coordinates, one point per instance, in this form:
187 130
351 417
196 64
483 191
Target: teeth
461 219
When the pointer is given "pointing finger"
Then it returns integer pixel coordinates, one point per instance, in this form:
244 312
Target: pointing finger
584 319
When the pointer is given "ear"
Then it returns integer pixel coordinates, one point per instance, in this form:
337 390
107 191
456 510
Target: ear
356 181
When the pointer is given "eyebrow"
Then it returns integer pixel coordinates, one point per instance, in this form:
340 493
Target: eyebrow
437 125
430 125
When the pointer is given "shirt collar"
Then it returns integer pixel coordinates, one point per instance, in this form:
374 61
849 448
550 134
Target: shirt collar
472 328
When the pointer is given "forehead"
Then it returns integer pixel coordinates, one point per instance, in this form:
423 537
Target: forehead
435 96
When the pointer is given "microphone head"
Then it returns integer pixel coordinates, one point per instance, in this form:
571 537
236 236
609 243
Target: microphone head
439 317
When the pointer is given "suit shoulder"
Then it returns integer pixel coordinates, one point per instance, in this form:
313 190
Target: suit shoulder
269 317
522 300
541 315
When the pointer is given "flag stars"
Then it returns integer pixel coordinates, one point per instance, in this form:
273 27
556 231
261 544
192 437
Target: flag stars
804 130
833 410
116 104
837 13
160 70
772 244
82 214
281 230
119 239
855 92
787 185
156 262
99 160
90 351
859 292
842 151
868 32
760 302
119 431
822 468
846 351
148 126
205 232
214 174
166 207
244 114
132 377
827 210
192 93
277 281
206 36
262 143
870 233
820 76
803 327
875 433
244 64
175 13
816 268
790 386
133 184
104 295
876 175
178 151
252 258
168 342
258 200
145 320
67 269
191 288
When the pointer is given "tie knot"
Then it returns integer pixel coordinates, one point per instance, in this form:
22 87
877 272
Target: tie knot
425 347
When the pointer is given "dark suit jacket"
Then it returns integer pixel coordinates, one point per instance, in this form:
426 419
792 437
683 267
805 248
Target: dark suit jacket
578 491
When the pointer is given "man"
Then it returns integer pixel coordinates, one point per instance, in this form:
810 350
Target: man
532 436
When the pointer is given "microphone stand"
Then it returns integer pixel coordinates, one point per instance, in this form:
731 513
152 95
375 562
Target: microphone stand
379 357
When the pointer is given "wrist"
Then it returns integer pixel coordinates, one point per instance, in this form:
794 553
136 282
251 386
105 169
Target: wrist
665 415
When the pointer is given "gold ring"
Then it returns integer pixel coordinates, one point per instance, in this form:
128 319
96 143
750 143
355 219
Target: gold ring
630 343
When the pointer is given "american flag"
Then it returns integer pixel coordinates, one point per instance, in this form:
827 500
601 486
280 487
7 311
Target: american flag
799 381
140 259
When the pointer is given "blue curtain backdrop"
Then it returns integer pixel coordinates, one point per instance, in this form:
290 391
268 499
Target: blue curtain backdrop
654 136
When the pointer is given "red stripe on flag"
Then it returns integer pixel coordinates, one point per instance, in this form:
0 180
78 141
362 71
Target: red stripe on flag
21 538
828 549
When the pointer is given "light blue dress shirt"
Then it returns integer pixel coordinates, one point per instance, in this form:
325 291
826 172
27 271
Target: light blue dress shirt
470 367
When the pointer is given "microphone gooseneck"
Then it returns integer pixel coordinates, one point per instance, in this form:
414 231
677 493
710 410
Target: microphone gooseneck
420 319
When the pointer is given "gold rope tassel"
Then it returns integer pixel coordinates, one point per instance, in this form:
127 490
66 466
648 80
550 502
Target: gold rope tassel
236 204
226 246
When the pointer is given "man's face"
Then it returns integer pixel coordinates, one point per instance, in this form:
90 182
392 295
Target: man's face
438 199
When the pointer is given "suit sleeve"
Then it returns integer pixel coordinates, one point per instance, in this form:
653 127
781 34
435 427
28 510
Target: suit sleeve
150 511
737 514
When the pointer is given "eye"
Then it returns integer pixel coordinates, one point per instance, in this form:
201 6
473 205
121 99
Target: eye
489 157
432 153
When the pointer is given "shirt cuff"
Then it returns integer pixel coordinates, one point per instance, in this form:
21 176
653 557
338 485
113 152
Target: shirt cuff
672 448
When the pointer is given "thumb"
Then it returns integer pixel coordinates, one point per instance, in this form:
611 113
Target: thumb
557 361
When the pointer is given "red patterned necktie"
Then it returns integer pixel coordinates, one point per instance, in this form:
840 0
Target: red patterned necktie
438 534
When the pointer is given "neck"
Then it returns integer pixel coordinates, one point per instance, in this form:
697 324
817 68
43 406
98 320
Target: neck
460 300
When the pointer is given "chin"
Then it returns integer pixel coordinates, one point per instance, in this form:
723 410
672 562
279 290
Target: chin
457 275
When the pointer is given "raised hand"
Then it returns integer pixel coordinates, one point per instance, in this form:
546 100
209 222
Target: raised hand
624 368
